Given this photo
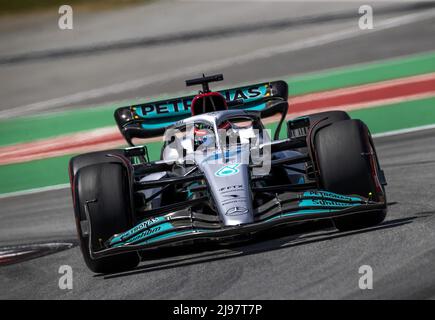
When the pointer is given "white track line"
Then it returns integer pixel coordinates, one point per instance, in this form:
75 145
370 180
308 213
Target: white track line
217 64
66 185
34 190
403 131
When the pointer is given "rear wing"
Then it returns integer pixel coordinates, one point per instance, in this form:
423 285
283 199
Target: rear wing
150 119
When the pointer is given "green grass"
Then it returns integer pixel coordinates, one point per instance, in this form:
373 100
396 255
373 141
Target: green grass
31 6
362 74
398 116
34 174
37 127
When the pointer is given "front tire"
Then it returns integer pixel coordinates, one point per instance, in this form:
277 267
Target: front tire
104 188
345 166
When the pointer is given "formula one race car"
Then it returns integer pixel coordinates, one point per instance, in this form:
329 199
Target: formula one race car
221 176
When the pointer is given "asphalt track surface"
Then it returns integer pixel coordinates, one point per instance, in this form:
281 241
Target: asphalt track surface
302 263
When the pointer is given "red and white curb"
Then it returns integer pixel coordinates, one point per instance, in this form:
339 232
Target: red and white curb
15 254
365 96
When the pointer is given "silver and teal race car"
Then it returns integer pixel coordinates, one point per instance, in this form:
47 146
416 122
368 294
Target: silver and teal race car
222 175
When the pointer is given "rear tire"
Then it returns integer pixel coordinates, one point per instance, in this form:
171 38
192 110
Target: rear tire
325 118
331 117
104 188
345 168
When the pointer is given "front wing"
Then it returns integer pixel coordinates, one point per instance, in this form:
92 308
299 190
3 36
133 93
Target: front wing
186 225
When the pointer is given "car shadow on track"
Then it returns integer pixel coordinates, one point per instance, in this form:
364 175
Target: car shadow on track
278 240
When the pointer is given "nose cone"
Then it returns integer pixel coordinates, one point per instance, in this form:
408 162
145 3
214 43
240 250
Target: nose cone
229 185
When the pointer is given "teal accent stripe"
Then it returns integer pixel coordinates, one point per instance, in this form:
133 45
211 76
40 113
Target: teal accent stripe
326 203
172 234
144 225
146 234
302 212
151 126
166 236
330 196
